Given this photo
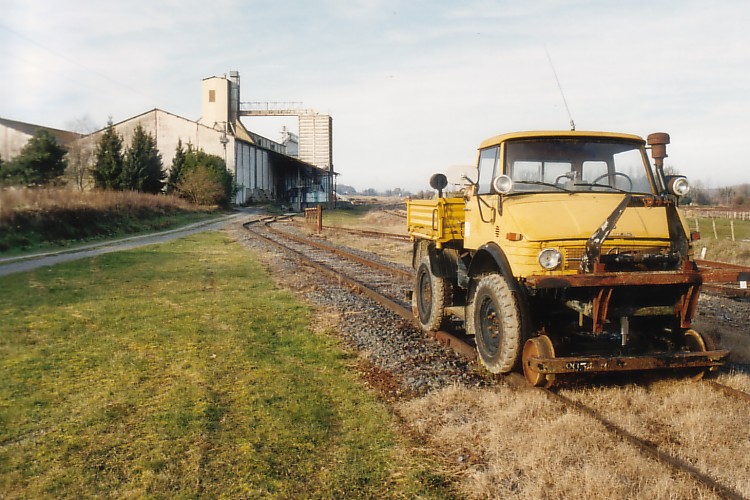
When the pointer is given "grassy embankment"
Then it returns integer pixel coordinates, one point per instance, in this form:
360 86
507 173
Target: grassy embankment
41 219
181 370
719 246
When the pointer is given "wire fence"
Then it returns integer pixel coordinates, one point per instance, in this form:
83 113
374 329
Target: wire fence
708 213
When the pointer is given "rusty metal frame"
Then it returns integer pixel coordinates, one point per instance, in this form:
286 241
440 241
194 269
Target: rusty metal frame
688 305
600 308
594 364
616 279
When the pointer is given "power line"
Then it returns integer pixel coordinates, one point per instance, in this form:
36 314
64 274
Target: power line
75 62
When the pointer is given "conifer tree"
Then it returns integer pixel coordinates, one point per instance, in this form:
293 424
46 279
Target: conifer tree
107 171
178 163
142 170
41 162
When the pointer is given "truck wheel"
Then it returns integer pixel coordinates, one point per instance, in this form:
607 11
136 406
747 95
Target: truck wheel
494 320
431 296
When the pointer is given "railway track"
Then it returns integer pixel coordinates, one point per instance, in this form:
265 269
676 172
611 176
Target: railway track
363 278
371 278
727 288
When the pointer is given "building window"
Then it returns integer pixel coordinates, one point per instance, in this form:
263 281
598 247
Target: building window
211 96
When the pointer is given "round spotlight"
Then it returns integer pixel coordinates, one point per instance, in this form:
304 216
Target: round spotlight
679 186
550 259
502 184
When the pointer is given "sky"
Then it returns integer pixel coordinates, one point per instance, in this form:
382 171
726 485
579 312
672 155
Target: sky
413 87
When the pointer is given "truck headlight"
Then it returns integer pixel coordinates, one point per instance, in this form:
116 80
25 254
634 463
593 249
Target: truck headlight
678 185
550 258
502 184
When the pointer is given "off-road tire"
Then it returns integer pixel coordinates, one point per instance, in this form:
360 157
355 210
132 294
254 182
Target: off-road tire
493 317
430 297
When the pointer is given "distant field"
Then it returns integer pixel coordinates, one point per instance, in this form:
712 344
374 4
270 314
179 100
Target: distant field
180 370
51 218
719 245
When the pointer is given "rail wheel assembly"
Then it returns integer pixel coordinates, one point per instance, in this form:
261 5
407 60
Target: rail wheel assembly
539 347
695 342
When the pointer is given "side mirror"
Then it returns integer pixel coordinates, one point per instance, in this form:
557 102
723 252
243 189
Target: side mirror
439 182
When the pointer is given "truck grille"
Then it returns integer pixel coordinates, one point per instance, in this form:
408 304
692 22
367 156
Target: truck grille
572 256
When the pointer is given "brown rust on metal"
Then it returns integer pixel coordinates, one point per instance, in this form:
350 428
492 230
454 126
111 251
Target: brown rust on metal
374 234
616 279
461 347
688 306
722 272
599 364
729 391
600 308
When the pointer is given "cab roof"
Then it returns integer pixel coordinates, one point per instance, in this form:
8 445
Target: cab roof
566 134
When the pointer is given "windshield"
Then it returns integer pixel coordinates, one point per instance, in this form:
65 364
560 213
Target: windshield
581 164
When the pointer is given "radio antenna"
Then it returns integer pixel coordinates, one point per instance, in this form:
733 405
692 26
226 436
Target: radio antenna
549 58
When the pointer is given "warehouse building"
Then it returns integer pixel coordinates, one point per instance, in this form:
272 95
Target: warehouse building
297 171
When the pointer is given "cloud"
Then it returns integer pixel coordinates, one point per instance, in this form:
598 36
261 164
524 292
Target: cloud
412 87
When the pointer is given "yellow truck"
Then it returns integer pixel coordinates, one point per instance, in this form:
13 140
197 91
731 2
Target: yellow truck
564 252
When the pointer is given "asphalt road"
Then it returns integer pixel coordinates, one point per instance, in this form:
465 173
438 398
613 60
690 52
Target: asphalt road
10 265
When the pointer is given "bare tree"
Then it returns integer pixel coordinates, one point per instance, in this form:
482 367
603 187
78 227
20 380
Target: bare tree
80 152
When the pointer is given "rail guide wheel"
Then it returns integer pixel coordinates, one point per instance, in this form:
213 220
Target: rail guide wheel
695 342
540 347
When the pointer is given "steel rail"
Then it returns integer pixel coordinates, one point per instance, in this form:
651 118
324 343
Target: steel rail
729 391
338 251
361 287
723 278
652 451
367 232
460 345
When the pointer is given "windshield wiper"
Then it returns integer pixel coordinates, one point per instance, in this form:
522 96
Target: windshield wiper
540 183
588 184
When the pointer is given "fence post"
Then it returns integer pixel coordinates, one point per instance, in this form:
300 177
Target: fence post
713 222
731 224
697 226
320 218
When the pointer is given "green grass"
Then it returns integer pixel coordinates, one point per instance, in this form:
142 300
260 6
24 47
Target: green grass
722 249
181 370
723 228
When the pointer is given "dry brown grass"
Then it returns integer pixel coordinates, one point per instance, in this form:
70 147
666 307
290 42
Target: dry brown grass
508 444
736 379
502 443
734 252
686 419
14 201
